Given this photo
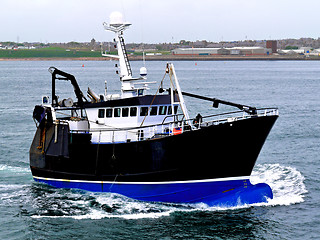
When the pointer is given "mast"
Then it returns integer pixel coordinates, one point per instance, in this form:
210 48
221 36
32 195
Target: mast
117 25
174 83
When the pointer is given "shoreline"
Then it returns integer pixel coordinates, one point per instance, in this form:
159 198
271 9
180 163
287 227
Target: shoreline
177 58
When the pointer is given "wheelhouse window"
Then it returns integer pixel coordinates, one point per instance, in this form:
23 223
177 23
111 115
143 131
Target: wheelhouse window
117 112
109 113
133 111
175 109
170 110
100 113
162 110
140 92
143 111
75 113
125 112
153 111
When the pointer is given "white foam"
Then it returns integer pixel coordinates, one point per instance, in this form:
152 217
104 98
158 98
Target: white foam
7 168
5 187
287 183
96 215
12 193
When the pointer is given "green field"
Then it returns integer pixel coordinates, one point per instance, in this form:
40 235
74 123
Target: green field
56 52
49 52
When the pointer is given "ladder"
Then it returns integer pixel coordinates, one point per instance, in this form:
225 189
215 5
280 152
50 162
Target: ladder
126 60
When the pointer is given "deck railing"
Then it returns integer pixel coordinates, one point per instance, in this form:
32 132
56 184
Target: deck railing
118 135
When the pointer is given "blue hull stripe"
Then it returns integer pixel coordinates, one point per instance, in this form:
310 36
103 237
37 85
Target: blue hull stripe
223 192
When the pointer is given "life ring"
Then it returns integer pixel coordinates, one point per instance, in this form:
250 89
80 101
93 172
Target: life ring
177 131
75 118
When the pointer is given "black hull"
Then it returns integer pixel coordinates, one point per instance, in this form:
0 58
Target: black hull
217 151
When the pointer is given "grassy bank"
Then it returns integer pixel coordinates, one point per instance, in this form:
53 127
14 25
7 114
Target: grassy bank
50 52
54 53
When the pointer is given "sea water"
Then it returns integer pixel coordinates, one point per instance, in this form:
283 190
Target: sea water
288 162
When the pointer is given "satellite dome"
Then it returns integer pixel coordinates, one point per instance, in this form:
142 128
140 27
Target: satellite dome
116 18
143 72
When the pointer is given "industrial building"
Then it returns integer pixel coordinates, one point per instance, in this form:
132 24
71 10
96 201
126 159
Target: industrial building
301 51
273 45
223 51
195 51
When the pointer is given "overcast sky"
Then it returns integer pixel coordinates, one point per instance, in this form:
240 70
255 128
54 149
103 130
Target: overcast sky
158 21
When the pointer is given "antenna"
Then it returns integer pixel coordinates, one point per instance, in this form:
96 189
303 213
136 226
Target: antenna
117 25
128 88
142 36
143 56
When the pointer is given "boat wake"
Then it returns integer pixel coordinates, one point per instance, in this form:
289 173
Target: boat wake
286 182
17 170
42 201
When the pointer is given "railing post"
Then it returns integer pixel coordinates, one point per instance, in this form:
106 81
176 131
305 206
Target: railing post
182 127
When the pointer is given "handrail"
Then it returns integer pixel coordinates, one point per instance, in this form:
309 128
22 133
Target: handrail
137 134
173 116
258 109
271 110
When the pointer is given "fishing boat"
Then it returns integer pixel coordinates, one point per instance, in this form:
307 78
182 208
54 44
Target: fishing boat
146 146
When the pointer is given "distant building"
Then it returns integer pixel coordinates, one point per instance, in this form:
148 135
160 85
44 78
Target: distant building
291 51
306 49
300 51
92 44
222 51
251 50
272 44
315 52
195 51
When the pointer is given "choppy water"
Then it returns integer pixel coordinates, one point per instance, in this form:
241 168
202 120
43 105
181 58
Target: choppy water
289 161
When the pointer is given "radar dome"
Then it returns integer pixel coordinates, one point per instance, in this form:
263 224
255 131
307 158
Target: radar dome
143 72
116 18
